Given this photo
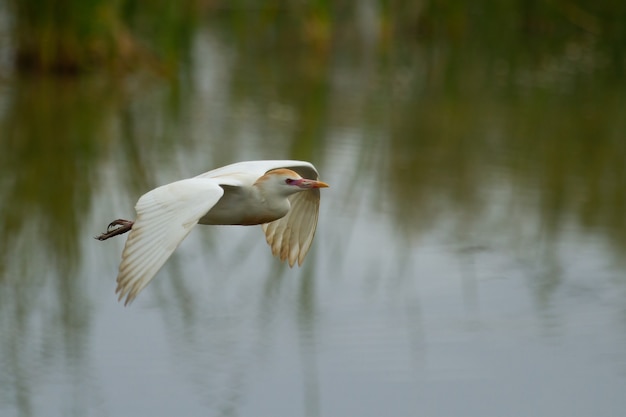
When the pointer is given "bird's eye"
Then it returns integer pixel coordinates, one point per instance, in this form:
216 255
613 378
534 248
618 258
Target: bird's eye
289 181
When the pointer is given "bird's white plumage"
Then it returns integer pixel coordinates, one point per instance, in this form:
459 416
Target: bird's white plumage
166 215
252 170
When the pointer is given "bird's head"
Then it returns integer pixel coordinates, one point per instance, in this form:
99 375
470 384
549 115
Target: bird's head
285 181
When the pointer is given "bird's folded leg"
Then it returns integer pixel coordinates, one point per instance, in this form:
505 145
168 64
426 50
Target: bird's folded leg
124 226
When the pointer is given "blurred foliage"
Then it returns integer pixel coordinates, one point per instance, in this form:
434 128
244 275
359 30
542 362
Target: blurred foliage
76 35
426 84
65 36
51 160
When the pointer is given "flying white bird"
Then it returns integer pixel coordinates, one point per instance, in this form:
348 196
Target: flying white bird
282 196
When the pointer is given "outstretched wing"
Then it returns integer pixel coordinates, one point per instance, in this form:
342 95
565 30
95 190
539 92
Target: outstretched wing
290 237
165 216
252 170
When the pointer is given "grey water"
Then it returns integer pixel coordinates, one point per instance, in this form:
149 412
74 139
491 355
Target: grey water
469 257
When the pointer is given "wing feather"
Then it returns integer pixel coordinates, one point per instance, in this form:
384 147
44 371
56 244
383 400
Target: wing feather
165 216
290 237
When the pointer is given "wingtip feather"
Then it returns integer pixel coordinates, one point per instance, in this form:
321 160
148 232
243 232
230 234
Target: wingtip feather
290 237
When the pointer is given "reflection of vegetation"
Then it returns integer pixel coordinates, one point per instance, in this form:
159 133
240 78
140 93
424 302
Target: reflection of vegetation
552 133
446 101
77 35
51 144
83 34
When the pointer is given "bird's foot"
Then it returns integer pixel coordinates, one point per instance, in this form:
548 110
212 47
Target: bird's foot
124 226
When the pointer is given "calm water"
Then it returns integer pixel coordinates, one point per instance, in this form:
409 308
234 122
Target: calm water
468 260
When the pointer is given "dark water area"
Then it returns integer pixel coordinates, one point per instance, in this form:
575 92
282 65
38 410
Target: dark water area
469 257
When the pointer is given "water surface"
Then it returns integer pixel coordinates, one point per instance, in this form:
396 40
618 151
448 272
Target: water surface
468 259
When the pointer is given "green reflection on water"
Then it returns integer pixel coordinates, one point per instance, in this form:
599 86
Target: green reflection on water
52 142
438 124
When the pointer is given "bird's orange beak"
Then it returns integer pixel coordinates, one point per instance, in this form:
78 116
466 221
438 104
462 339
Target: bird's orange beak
306 183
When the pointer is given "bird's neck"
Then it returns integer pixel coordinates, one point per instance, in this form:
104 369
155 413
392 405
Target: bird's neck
277 203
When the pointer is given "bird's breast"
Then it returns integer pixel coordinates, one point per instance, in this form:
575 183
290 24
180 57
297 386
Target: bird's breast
217 216
238 207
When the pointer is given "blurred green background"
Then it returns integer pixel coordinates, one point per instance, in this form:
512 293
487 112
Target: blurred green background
482 127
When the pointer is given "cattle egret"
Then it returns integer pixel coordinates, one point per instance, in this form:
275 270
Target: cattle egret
282 196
